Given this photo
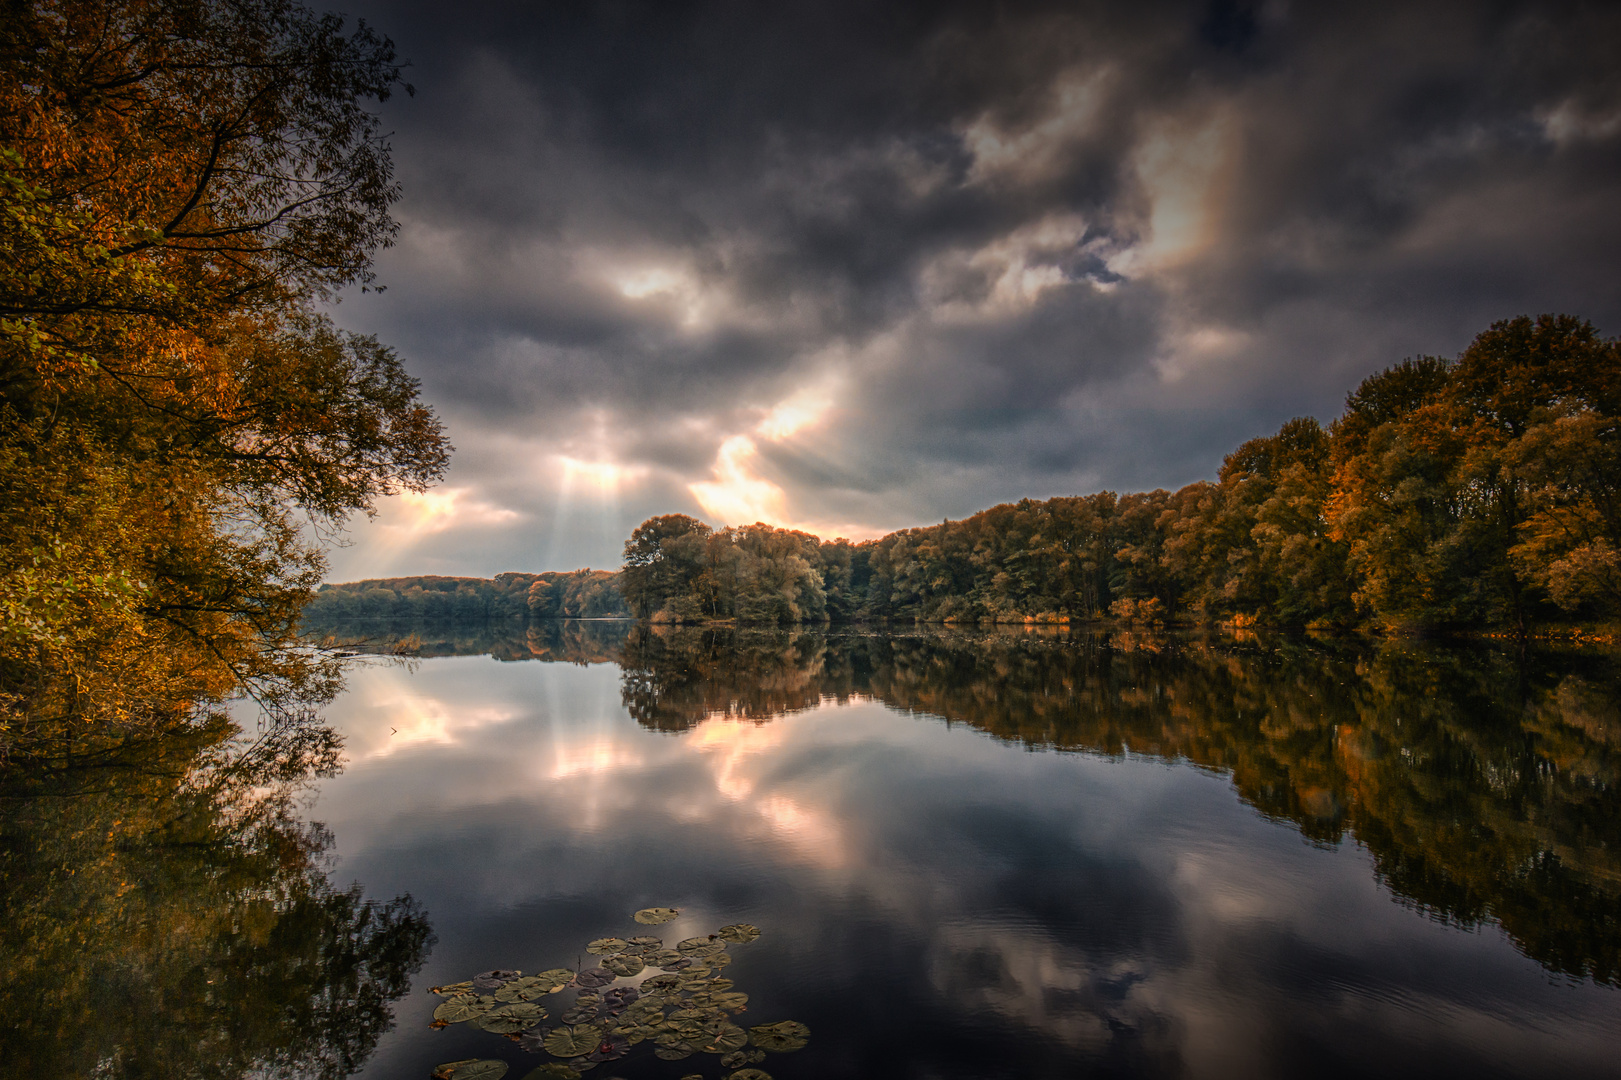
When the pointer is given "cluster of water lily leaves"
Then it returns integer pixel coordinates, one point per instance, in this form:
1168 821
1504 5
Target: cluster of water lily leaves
686 1008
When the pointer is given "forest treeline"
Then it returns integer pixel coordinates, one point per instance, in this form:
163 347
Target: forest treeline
575 594
1481 492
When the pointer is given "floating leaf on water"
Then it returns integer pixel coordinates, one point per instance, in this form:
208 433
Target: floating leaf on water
698 1014
593 978
527 1011
781 1037
573 1041
653 916
580 1065
610 1048
552 1070
731 1001
458 1009
525 989
664 962
660 982
635 1033
749 1074
720 984
624 965
626 994
719 961
742 933
579 1014
645 942
472 1069
499 1025
687 947
494 979
736 1059
606 946
453 990
675 1052
556 978
724 1038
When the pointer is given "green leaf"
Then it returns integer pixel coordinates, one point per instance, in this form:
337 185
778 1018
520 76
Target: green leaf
459 1009
452 990
606 946
552 1070
749 1074
724 1038
472 1069
653 916
780 1038
556 978
624 965
573 1041
674 1052
742 933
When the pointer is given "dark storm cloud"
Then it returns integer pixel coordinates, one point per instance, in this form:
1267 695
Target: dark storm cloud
1029 247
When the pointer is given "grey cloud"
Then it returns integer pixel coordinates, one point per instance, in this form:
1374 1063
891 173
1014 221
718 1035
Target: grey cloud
863 188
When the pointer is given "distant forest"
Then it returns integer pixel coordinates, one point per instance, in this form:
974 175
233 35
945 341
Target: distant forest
1482 493
577 594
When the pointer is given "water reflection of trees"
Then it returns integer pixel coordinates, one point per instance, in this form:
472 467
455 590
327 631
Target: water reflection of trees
169 914
578 641
1485 784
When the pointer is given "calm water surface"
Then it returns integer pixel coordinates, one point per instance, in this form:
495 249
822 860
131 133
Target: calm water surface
1006 854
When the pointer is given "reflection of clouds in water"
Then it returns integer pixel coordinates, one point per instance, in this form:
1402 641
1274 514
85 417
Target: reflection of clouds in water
736 752
1126 911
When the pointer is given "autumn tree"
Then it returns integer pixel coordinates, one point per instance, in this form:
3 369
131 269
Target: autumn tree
180 183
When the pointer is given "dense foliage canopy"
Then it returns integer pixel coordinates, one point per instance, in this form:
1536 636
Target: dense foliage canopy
1480 492
180 182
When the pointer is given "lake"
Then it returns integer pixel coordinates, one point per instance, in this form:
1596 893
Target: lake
996 853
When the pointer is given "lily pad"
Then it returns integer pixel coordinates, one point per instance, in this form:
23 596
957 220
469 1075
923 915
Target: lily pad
749 1074
780 1038
732 1001
592 978
661 982
742 933
458 1009
624 965
472 1069
493 979
552 1070
581 1013
452 990
556 978
611 1048
525 989
645 942
693 944
574 1040
500 1025
653 916
674 1052
606 946
739 1058
625 994
724 1038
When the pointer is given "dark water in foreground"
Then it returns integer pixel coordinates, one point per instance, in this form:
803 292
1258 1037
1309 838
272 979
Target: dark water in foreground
974 854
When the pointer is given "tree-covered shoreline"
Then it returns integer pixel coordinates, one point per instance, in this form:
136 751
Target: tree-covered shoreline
1476 495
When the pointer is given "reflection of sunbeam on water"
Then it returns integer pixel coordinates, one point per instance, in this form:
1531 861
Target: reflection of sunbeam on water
736 748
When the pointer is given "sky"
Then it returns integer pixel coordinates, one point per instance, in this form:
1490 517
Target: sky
852 267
